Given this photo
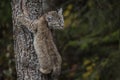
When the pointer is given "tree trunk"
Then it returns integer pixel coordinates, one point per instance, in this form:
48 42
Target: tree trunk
27 65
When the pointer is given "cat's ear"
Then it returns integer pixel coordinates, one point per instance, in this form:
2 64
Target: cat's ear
60 11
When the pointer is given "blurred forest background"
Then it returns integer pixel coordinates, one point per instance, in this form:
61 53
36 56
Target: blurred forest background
89 44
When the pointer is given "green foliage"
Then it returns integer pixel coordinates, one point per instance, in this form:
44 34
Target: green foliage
90 39
7 66
5 11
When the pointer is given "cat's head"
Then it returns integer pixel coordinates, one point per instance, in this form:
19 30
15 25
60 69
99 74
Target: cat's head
55 19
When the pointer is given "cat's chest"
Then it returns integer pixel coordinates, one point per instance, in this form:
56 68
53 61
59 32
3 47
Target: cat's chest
43 34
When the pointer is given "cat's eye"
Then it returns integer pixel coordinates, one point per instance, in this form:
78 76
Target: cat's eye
49 18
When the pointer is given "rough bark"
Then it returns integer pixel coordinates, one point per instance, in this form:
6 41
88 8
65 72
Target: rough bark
27 65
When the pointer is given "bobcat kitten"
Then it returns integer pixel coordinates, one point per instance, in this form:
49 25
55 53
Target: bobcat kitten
48 55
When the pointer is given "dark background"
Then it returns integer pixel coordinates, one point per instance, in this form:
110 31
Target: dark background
89 44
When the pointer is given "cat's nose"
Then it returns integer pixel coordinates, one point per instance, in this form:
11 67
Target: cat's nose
62 25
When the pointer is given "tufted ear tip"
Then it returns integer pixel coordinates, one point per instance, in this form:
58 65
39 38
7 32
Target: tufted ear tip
60 11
